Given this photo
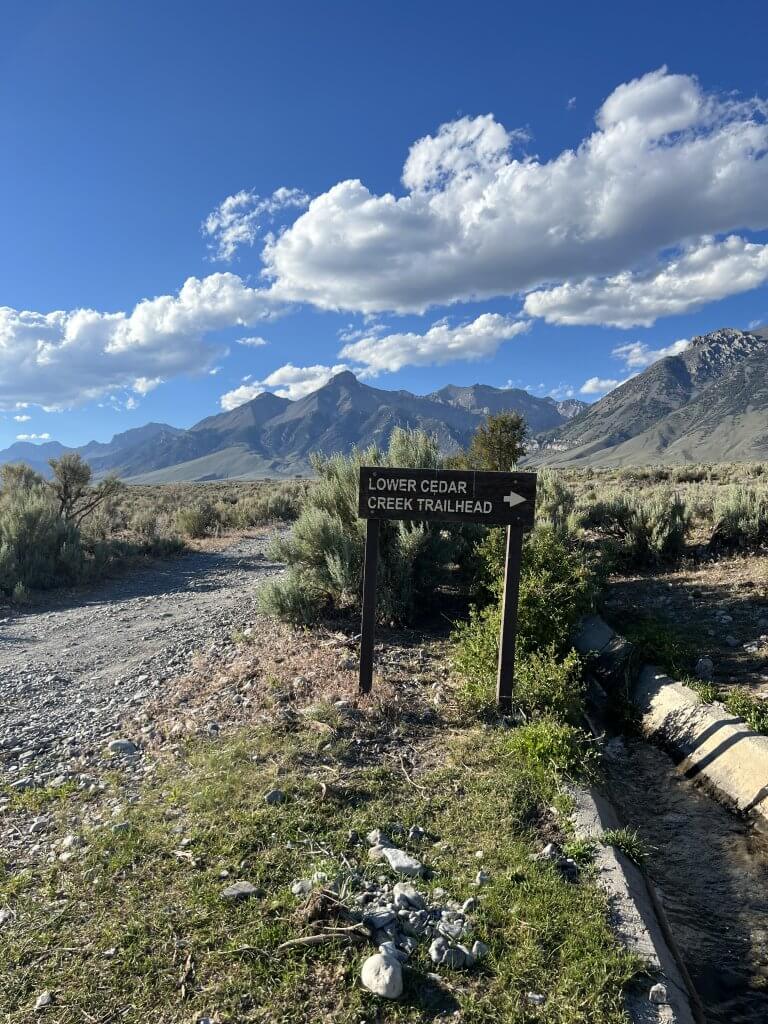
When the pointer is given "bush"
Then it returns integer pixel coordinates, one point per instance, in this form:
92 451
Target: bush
281 505
324 552
198 520
553 748
555 501
741 518
642 531
38 549
545 686
556 588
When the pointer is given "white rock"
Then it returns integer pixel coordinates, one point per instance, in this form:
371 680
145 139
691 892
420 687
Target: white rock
383 975
402 862
238 891
43 1001
123 746
658 994
390 949
536 998
446 955
482 878
406 897
301 886
377 838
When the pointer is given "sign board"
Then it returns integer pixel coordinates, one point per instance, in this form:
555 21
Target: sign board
453 496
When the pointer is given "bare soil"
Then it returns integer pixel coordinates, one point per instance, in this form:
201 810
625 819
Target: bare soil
721 606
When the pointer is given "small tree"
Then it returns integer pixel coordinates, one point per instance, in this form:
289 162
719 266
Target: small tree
498 444
71 486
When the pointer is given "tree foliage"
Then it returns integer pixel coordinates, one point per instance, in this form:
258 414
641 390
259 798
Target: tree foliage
77 498
497 445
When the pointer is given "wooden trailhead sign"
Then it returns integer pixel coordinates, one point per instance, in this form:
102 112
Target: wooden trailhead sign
453 496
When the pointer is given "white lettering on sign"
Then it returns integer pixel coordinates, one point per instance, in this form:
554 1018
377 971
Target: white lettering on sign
387 503
444 486
389 484
454 507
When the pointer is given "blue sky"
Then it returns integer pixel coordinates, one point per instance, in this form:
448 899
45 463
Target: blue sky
484 252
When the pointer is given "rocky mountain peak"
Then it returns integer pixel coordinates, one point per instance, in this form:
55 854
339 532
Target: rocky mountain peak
710 355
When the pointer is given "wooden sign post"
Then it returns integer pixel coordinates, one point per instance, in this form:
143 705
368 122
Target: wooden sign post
454 496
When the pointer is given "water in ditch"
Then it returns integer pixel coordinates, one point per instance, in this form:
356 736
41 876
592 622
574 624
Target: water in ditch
710 870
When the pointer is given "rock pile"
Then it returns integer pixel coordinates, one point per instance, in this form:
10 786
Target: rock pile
398 917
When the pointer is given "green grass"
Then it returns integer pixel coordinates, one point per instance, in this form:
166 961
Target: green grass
629 841
658 642
738 700
37 798
753 710
181 952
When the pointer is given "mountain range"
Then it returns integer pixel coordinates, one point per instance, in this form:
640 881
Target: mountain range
707 404
271 436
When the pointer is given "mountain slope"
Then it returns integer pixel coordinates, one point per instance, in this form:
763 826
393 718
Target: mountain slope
272 436
709 403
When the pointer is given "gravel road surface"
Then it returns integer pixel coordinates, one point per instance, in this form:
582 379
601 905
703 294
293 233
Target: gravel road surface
73 666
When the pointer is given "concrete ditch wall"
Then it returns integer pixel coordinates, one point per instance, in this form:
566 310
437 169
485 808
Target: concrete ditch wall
634 919
716 748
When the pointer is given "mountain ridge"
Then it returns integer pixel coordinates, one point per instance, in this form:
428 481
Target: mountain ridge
274 436
707 403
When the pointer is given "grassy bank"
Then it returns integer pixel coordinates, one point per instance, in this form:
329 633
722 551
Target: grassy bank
134 927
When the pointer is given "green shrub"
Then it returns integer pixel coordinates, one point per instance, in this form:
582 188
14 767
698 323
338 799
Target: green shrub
553 748
555 501
38 549
557 587
741 517
642 531
144 524
324 552
199 520
546 687
273 505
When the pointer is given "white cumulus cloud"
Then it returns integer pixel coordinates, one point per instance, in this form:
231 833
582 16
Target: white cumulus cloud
60 359
665 165
33 437
703 272
442 343
638 356
22 419
598 385
287 381
237 220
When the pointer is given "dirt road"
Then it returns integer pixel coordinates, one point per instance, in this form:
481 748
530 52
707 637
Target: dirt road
73 666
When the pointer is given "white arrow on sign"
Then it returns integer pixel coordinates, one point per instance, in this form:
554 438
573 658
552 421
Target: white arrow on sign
513 499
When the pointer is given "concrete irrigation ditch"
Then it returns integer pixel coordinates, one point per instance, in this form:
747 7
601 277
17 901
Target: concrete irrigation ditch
708 858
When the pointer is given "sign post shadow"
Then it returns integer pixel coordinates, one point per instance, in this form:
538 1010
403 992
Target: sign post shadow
457 496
